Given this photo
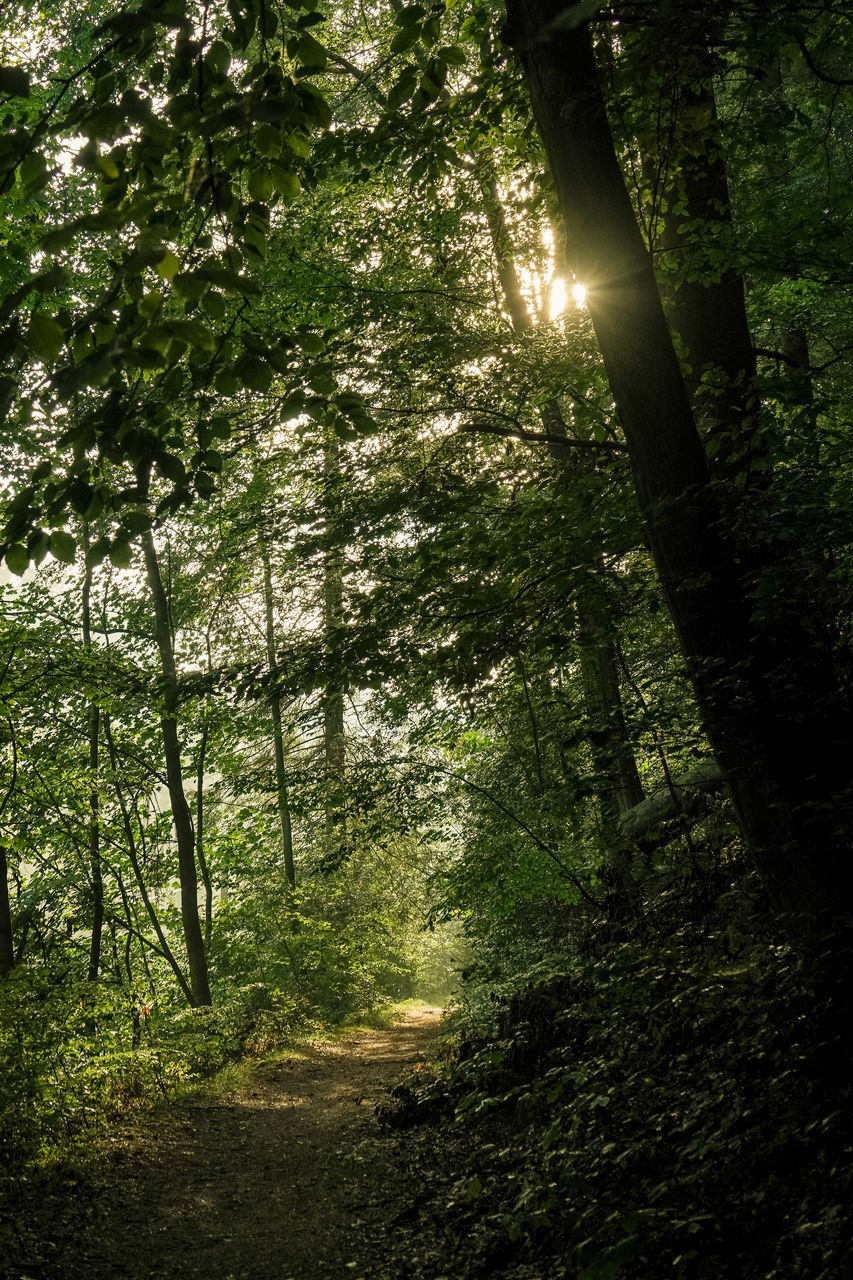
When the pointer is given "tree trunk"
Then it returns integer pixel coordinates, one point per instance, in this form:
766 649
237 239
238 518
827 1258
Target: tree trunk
94 718
773 716
199 827
133 858
199 801
278 738
504 256
706 306
334 749
7 952
193 939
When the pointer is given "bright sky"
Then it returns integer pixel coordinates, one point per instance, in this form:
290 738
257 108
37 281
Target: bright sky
559 296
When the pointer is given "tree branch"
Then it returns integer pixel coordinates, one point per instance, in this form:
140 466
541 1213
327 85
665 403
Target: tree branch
543 437
815 69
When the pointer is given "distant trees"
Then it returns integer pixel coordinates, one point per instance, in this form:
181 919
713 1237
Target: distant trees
423 521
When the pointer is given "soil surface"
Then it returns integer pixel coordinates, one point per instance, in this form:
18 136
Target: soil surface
289 1177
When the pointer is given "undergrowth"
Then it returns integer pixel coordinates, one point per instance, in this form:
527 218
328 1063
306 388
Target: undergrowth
671 1101
74 1056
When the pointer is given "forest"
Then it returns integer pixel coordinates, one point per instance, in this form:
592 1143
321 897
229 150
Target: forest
427 573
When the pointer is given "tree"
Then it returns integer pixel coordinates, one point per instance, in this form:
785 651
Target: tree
768 687
193 939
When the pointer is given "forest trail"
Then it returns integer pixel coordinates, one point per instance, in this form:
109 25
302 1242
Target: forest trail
285 1178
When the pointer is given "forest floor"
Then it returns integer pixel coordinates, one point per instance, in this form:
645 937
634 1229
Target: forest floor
286 1176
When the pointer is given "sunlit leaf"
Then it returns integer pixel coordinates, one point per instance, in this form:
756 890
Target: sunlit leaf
168 266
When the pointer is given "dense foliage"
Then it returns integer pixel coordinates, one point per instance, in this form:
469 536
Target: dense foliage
671 1105
427 526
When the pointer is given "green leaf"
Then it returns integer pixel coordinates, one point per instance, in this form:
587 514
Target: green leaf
349 401
452 55
121 554
292 405
403 89
254 373
62 546
404 40
311 342
409 15
214 304
38 546
14 82
231 281
219 56
316 105
286 183
298 145
108 167
261 185
96 553
81 493
135 522
168 266
17 558
311 53
149 304
45 336
220 428
430 32
189 284
96 506
171 467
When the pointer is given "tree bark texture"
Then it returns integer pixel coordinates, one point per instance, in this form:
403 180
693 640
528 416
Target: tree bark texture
334 748
707 308
181 819
94 733
282 803
771 715
7 951
136 866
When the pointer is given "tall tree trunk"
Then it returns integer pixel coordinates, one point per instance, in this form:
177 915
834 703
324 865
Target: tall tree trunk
706 306
181 819
94 727
278 738
504 255
199 827
775 718
138 873
334 747
199 801
7 952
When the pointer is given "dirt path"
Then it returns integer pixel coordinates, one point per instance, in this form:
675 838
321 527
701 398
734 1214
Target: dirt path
288 1178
